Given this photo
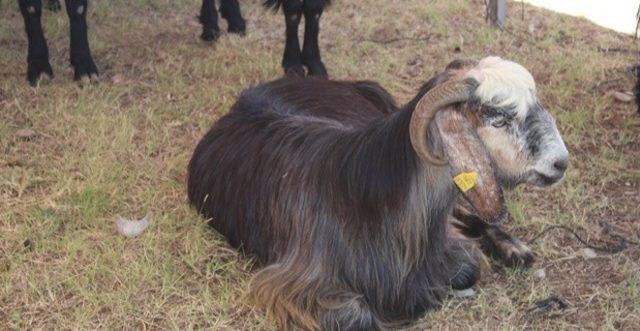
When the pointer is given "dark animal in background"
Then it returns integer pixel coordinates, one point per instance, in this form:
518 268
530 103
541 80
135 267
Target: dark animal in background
636 88
294 59
347 200
38 51
229 10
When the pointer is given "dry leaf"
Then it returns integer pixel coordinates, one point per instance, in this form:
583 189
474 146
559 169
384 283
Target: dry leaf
588 253
623 96
117 79
25 134
466 293
132 228
540 273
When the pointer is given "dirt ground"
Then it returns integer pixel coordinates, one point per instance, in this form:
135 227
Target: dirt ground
120 147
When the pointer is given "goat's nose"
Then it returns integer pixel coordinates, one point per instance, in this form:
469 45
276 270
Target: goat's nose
561 164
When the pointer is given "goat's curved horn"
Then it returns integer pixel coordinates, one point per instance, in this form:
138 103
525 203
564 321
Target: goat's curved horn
440 96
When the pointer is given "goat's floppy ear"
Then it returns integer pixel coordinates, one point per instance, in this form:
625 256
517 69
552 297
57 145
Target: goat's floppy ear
471 165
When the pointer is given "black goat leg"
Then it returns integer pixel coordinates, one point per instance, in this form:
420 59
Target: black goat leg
311 51
209 20
505 248
80 52
38 53
636 88
292 58
230 10
494 241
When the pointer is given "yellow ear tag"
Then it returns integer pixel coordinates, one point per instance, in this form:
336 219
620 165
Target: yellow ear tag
466 180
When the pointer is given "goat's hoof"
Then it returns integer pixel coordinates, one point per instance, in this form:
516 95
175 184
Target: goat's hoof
210 35
514 254
317 69
295 71
465 276
237 28
239 32
85 69
36 68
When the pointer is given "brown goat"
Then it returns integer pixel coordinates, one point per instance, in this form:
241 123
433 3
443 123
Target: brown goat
345 199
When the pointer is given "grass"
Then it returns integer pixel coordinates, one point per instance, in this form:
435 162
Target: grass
121 148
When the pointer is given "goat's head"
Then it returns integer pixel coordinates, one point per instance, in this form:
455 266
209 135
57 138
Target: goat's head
519 133
501 131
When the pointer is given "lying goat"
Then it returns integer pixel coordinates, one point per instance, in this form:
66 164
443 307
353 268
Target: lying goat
345 199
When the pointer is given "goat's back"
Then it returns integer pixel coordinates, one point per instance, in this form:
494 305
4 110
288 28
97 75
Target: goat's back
252 172
350 103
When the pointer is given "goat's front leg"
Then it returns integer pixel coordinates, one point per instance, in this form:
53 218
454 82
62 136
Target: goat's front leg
311 51
80 52
494 241
230 10
292 58
38 53
209 20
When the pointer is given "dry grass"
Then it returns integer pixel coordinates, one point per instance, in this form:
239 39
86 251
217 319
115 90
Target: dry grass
121 148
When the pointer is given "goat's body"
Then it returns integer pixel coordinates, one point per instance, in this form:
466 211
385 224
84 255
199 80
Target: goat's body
318 179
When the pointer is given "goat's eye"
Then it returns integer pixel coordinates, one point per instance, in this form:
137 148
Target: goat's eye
500 123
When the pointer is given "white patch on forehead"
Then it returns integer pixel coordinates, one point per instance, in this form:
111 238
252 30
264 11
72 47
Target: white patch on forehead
504 84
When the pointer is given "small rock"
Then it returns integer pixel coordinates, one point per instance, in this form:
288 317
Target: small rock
588 253
540 273
25 134
175 124
117 79
466 293
623 96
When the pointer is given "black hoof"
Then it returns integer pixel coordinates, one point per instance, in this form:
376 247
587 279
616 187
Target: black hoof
84 68
231 13
317 69
465 276
36 68
210 35
520 259
506 249
295 71
241 31
237 26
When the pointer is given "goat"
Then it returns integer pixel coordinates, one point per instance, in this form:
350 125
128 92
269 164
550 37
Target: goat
636 87
38 52
345 199
294 60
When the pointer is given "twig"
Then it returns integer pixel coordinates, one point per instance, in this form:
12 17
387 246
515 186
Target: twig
393 40
611 249
616 50
605 82
548 304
